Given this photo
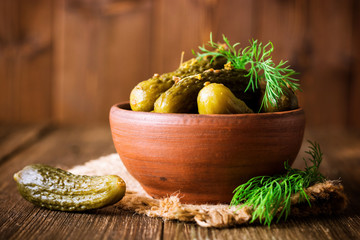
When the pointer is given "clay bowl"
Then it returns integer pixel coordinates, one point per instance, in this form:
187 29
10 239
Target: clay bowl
203 158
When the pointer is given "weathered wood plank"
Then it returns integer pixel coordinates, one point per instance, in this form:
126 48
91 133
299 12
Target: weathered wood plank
303 32
69 61
127 61
327 70
25 221
69 146
237 27
184 25
282 23
25 61
77 70
178 26
104 52
65 148
16 138
337 227
354 86
30 222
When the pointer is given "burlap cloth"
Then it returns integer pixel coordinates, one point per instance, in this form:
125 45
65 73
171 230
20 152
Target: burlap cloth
326 198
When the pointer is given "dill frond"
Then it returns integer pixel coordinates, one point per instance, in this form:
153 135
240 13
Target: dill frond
270 196
257 60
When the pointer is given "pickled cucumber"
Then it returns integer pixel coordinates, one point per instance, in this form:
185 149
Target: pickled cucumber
287 101
144 95
182 96
215 98
57 189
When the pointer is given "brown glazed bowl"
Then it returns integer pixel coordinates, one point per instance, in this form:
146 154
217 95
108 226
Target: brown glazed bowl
203 158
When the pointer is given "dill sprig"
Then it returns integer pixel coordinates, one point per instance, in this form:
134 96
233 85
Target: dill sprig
270 196
257 60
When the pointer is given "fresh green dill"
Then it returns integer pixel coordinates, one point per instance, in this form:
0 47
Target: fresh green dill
257 60
270 196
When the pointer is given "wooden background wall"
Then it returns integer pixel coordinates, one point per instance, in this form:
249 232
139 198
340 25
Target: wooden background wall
68 61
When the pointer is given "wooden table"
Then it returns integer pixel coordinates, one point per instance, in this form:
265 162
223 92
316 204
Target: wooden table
68 146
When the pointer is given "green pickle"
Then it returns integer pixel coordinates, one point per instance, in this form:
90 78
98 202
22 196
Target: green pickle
57 189
182 96
287 101
144 95
215 98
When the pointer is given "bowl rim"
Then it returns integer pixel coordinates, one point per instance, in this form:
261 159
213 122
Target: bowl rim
125 108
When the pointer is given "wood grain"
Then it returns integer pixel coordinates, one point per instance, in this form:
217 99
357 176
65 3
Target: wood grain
16 138
354 100
100 57
309 228
68 61
324 65
237 27
69 146
26 61
65 148
175 31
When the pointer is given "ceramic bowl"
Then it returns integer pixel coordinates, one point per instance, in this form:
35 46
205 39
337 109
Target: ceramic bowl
203 158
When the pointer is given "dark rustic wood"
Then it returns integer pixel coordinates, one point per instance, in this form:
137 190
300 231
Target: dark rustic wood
338 227
17 138
354 100
177 30
323 64
68 61
68 146
102 54
26 61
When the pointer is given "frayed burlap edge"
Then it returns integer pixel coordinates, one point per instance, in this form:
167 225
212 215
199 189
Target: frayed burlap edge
325 198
